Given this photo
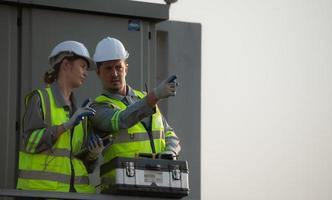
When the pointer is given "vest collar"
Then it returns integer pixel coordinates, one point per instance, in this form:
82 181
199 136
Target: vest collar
59 99
130 93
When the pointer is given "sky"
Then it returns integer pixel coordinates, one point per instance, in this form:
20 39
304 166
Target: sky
266 97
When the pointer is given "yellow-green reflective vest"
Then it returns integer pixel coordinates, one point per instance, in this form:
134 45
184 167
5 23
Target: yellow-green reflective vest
51 170
129 142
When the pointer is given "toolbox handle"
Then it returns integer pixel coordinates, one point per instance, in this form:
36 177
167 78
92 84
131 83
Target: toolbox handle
153 167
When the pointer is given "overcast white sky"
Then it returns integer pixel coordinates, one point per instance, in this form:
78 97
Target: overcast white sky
266 97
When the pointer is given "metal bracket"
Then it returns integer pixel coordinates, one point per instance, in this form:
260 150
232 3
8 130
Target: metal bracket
176 173
130 169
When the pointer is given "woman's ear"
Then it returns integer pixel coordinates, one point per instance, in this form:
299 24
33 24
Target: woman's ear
65 64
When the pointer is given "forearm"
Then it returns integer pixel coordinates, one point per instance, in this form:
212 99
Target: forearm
90 163
39 140
136 112
113 119
152 99
172 140
173 144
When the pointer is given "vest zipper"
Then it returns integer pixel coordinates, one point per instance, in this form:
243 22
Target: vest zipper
72 172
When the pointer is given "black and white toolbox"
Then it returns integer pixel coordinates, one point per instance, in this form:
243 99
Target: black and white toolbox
147 176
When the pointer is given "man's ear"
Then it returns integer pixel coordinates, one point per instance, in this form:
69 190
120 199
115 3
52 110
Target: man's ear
126 68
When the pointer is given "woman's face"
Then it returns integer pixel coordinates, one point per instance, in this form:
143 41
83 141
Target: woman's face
77 72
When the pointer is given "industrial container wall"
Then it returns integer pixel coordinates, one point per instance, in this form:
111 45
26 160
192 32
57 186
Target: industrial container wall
154 54
179 52
8 102
43 29
39 36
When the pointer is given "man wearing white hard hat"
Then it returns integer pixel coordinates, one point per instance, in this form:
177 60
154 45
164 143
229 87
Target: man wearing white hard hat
55 128
131 117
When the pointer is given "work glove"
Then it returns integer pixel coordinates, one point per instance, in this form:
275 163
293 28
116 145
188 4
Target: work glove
168 155
95 146
166 88
80 113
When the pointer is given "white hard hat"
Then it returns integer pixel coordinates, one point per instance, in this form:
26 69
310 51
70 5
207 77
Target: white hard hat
70 48
110 49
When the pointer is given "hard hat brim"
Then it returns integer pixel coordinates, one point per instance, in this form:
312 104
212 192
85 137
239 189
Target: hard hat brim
58 58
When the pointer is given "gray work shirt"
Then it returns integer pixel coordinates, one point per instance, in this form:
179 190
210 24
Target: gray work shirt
33 119
137 110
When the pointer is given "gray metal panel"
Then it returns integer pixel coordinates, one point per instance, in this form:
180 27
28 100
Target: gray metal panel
162 63
43 29
8 102
151 11
147 54
184 110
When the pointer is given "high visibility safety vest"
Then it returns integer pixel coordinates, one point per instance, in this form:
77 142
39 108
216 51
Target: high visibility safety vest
129 142
51 170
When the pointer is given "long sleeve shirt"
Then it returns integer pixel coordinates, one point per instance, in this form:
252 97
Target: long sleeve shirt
33 121
137 110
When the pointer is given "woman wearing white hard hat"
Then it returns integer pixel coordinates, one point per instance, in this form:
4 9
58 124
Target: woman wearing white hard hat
55 130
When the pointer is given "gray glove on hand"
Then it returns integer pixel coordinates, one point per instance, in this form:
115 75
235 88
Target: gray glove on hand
78 116
169 154
95 146
166 88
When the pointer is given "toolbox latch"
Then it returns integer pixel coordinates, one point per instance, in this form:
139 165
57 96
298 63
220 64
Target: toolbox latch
176 173
130 169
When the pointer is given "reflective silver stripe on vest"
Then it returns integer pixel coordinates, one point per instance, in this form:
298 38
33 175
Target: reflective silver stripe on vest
81 180
51 176
123 136
47 116
57 152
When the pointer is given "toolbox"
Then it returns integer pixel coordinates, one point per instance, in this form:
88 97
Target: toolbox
145 176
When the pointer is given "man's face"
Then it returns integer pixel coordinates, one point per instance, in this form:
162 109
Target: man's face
113 75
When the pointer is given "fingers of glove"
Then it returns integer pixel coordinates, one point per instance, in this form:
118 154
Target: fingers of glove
81 116
168 152
84 111
87 111
86 102
77 120
171 90
100 142
90 146
93 143
171 79
85 114
173 84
